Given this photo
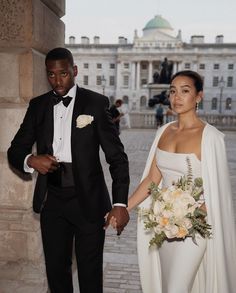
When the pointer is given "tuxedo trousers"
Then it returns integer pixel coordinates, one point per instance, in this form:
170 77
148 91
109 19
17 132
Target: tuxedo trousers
63 229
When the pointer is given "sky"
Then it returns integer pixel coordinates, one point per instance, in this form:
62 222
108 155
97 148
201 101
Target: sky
110 19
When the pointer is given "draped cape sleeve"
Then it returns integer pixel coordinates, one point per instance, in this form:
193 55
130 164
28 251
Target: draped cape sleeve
216 273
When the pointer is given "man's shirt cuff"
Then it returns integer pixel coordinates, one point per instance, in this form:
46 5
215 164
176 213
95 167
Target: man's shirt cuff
27 169
119 205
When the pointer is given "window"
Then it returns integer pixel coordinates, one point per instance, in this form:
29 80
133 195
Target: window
228 104
99 65
155 66
143 101
202 66
187 65
112 66
144 66
216 66
125 100
230 81
214 104
215 81
86 65
230 66
126 80
126 65
85 79
143 81
112 80
99 80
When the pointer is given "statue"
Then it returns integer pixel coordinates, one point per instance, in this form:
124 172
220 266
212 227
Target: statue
166 72
156 76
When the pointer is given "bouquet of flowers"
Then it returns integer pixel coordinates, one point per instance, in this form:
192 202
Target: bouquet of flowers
175 212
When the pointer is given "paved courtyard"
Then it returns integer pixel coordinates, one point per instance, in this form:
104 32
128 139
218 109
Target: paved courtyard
121 274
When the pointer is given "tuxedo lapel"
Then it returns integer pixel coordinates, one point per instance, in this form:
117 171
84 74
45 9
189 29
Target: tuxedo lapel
78 110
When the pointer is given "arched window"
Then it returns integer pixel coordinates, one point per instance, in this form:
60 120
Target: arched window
143 102
125 100
112 100
228 104
214 104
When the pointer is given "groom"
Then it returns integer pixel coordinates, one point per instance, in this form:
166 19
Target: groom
69 125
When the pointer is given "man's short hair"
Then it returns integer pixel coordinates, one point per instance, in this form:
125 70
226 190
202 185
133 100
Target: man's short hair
60 54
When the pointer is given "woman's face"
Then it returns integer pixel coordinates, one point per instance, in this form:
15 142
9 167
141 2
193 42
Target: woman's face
183 95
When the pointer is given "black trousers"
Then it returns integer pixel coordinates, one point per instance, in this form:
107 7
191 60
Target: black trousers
62 224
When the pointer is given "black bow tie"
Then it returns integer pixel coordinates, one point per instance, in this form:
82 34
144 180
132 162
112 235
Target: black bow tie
65 100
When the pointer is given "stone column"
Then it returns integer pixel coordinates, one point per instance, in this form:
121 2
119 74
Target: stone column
195 65
118 75
175 67
29 29
150 72
138 76
133 67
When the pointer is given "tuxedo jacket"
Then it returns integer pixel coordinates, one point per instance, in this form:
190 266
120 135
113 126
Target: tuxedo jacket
91 190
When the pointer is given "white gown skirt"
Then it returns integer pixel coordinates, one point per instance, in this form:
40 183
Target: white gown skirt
180 261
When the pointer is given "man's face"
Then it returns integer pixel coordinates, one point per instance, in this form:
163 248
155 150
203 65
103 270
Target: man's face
61 75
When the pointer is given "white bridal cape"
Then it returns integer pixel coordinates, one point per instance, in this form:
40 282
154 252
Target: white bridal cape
217 271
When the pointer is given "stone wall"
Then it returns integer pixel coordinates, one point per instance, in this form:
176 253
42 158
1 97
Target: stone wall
29 28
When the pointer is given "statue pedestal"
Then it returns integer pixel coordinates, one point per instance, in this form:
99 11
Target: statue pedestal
155 89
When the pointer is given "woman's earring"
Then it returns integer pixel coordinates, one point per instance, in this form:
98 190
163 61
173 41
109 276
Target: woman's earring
197 108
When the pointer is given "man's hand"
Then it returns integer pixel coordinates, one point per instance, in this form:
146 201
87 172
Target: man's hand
43 163
121 216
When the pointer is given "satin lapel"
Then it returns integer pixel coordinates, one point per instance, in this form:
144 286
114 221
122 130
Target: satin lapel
48 125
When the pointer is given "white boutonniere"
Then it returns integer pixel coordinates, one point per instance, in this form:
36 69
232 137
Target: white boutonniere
84 120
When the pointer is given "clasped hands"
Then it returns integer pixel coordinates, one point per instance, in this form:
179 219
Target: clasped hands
118 218
43 163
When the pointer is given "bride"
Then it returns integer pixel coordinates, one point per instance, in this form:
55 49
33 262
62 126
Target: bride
183 266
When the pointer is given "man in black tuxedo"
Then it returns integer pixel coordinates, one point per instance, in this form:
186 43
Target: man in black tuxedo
69 125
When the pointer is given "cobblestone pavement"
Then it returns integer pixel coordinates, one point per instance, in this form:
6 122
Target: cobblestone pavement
121 273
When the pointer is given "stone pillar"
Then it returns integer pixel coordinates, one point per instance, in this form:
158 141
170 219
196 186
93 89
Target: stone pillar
138 76
29 29
175 67
118 75
195 64
150 72
133 67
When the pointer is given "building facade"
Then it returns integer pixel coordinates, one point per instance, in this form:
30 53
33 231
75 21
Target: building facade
127 70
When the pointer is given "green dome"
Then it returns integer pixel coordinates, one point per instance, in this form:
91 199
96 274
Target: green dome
158 22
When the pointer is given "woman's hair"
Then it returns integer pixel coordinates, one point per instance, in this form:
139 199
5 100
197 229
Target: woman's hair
60 54
197 79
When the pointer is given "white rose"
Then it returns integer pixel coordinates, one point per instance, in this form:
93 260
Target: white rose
84 120
171 231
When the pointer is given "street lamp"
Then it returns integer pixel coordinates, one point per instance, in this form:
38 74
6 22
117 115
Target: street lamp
103 80
221 86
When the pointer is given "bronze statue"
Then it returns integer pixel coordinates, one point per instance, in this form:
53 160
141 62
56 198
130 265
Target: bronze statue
165 74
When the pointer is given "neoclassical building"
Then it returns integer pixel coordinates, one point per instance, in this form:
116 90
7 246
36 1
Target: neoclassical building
126 70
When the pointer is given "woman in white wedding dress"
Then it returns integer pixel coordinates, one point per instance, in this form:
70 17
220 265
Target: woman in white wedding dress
182 266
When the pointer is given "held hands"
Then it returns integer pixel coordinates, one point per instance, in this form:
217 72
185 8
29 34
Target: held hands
43 163
118 218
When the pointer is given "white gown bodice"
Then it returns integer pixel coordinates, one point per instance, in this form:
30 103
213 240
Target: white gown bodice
174 165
